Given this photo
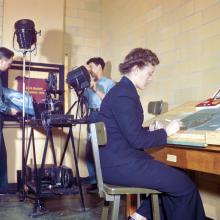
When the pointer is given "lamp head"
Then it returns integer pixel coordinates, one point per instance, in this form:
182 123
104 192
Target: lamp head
26 33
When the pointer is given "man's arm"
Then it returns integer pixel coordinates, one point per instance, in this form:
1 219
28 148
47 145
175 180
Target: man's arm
101 94
5 109
125 111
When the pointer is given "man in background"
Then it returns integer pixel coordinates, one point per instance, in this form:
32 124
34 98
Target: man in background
99 87
6 57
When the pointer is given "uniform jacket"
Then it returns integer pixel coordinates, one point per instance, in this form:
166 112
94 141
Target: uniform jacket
122 113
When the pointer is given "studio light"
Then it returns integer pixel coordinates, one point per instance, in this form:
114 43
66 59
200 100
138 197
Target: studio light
79 79
25 33
26 39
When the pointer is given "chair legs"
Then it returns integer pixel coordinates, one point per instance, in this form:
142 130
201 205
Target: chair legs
115 207
155 206
138 200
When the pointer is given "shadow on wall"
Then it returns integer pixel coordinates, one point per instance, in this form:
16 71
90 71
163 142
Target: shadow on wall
108 69
70 50
52 46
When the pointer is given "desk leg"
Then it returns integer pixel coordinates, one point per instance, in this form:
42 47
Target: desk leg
131 204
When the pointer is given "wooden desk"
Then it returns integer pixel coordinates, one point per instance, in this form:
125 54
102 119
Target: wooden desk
193 158
199 159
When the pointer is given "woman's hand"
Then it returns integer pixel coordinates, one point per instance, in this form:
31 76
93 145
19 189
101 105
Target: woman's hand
155 125
173 127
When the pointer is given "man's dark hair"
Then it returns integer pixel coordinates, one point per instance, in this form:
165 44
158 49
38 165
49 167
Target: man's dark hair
138 57
6 53
97 61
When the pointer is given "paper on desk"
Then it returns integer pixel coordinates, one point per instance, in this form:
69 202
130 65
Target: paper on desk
184 138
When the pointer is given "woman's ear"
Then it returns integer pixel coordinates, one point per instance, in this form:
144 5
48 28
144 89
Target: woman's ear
135 69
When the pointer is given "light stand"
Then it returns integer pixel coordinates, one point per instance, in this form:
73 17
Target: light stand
26 37
23 130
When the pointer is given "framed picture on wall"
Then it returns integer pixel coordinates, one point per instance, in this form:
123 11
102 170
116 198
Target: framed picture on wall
43 81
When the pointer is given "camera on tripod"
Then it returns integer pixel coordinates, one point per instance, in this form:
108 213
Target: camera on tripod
52 82
52 103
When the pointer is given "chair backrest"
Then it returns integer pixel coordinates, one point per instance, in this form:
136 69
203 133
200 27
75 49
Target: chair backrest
98 138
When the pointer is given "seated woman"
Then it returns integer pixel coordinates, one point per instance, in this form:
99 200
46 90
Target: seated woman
123 160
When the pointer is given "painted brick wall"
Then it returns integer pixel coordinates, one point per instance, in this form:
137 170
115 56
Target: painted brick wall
185 34
1 19
81 41
82 30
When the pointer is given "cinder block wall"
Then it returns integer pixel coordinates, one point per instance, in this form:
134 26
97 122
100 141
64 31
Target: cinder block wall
185 34
81 42
1 19
82 30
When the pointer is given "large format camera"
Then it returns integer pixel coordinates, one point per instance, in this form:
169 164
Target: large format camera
52 82
53 104
79 80
52 101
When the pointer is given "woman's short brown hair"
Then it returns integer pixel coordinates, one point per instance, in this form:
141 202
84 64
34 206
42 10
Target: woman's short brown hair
138 57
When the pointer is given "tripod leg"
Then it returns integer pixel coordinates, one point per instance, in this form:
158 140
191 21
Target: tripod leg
52 146
23 172
31 138
29 144
39 207
77 170
24 157
65 147
35 162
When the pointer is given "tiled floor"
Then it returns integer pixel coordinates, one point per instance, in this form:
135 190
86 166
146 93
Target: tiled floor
65 208
59 208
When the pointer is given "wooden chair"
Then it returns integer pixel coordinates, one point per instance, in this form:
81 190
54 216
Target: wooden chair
112 193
